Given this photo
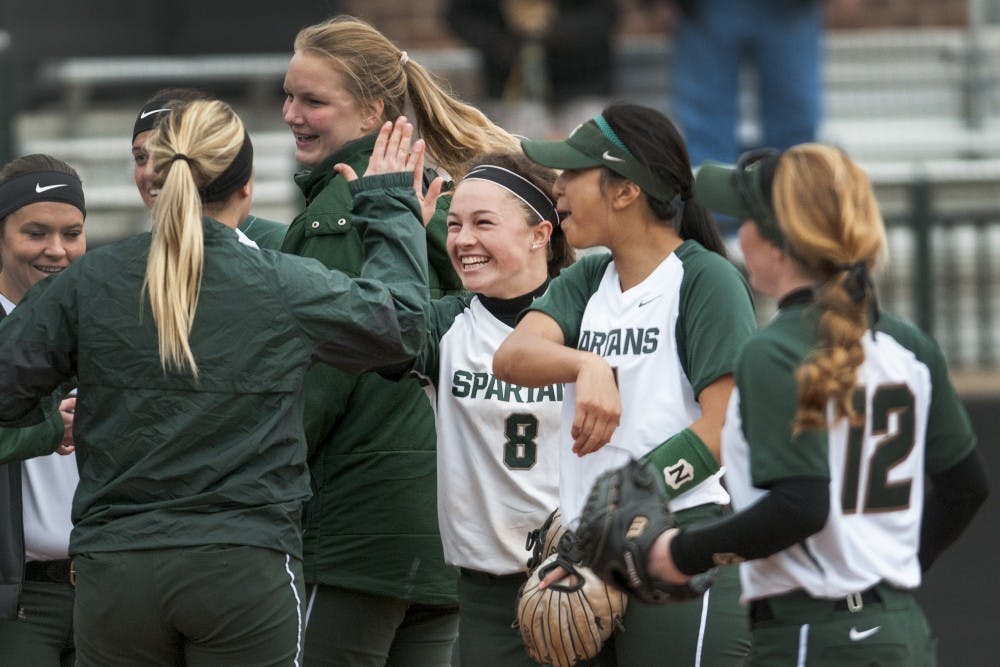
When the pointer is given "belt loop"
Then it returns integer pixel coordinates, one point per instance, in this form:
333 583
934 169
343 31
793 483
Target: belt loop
72 573
854 602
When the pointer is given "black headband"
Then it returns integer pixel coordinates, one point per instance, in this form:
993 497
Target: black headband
520 187
38 186
229 181
149 116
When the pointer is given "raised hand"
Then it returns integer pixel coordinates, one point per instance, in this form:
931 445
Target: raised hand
428 200
392 152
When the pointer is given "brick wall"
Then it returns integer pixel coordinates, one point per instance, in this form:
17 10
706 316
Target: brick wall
415 25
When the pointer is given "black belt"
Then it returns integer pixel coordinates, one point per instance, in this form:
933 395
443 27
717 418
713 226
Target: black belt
489 577
760 610
51 571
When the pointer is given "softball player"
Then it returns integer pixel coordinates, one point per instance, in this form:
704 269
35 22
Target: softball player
265 233
372 546
190 350
840 412
497 443
646 337
42 213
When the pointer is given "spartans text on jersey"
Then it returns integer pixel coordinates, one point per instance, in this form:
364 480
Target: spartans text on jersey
633 340
467 384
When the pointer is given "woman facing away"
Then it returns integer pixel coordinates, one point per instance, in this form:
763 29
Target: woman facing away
189 350
372 545
646 339
841 415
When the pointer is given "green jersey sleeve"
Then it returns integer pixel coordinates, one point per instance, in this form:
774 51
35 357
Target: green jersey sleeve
765 377
950 436
716 317
566 298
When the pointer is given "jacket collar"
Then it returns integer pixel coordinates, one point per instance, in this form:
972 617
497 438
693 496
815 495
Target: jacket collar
312 181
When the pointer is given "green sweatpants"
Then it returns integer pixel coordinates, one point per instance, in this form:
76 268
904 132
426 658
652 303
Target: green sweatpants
486 634
42 636
801 630
710 632
208 606
346 628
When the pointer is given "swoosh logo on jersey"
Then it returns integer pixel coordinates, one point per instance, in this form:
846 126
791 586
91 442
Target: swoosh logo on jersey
608 156
39 188
144 114
647 301
857 635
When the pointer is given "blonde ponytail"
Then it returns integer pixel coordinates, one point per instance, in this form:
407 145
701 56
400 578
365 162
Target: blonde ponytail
189 151
826 209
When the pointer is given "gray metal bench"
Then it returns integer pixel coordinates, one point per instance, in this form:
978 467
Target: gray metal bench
262 74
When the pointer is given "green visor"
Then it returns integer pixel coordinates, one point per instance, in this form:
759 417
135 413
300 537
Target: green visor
742 190
595 144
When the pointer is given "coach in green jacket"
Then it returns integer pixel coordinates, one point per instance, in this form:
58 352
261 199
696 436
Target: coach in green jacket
190 349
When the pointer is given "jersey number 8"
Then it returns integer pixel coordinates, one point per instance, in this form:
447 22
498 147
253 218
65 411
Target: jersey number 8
520 451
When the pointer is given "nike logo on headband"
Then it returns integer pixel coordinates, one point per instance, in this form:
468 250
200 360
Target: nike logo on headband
608 156
40 189
151 112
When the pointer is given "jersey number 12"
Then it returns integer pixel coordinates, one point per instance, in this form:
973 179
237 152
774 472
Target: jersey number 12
892 447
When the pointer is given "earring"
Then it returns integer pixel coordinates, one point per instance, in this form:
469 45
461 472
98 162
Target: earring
535 246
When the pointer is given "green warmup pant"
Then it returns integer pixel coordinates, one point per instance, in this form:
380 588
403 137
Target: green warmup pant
42 635
889 629
347 628
710 632
486 635
713 631
207 606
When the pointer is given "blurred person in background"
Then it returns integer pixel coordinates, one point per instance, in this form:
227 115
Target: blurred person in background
373 556
781 41
42 213
545 63
265 233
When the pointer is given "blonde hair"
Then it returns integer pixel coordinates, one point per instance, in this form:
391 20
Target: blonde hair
375 69
207 135
826 209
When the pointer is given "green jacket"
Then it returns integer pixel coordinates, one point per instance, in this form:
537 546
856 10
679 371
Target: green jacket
167 460
372 522
265 233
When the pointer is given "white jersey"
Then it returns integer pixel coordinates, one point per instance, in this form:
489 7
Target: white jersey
639 333
876 470
497 443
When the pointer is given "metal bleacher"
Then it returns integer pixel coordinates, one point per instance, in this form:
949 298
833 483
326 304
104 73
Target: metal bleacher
93 134
919 109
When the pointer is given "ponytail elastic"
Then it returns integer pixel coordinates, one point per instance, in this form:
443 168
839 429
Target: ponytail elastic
859 286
